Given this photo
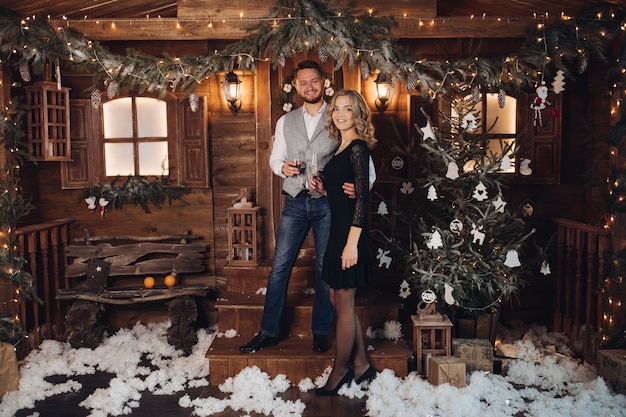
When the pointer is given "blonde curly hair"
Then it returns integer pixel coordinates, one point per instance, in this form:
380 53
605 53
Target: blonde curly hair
362 117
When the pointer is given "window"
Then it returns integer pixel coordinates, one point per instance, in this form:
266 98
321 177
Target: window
497 120
135 137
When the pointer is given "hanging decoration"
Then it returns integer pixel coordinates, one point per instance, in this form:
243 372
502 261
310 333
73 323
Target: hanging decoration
405 289
102 204
558 84
112 89
382 209
25 72
95 99
453 170
434 241
432 193
407 187
524 167
499 204
448 297
397 163
383 258
91 203
512 259
480 192
194 101
501 98
539 103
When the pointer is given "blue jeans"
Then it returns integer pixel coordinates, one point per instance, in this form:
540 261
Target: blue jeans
300 214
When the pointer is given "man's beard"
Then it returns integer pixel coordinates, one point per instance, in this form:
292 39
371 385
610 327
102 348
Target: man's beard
314 100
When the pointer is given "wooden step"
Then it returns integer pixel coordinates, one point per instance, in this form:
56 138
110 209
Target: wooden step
248 279
295 358
243 313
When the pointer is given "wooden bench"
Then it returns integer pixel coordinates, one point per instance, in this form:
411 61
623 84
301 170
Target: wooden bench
111 269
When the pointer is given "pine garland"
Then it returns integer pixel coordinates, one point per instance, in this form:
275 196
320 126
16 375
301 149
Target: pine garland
137 190
294 26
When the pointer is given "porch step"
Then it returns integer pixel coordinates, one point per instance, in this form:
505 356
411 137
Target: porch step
295 358
248 279
243 312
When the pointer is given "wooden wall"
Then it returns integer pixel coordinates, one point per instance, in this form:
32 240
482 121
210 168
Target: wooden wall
239 150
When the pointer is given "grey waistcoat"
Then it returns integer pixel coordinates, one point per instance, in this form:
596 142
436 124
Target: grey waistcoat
297 140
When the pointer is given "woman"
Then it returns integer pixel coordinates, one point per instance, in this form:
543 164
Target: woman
347 263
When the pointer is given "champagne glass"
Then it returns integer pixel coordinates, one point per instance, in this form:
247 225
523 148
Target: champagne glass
298 160
314 168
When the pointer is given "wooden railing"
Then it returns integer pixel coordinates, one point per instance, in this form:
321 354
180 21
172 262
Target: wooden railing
580 261
43 248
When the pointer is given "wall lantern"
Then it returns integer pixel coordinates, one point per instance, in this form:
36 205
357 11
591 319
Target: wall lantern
230 86
383 88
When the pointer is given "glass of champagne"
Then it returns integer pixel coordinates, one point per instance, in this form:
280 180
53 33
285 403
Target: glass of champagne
314 169
298 160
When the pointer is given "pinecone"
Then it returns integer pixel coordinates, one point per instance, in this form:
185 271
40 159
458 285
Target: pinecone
501 98
25 72
583 61
476 94
411 81
96 99
193 101
281 60
112 89
365 70
323 53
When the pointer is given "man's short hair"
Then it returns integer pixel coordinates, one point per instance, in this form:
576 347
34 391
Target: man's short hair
308 64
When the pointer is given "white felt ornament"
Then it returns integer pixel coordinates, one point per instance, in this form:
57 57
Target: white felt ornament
103 203
480 192
405 289
558 85
505 163
477 235
429 296
453 170
407 188
545 268
512 259
432 193
499 204
382 209
469 122
434 241
397 163
524 167
448 294
383 258
427 131
456 225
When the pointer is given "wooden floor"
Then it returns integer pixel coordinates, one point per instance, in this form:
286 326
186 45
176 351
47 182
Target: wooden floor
67 405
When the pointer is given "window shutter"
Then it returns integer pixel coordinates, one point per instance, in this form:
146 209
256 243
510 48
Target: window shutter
80 170
194 157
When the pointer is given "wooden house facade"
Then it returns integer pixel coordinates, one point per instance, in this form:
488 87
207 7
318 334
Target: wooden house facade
218 152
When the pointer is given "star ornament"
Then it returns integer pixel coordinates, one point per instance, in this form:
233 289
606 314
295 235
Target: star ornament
427 131
499 204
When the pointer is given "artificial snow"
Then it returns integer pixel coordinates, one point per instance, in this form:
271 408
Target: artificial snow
537 383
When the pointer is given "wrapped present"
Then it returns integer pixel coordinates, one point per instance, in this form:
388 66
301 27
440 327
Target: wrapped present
9 372
612 367
446 369
476 353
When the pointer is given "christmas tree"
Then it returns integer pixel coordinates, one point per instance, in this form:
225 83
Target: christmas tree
453 233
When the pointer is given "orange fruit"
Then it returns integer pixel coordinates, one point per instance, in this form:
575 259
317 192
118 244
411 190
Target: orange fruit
170 280
149 282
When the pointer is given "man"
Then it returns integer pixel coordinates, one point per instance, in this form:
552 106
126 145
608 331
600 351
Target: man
301 130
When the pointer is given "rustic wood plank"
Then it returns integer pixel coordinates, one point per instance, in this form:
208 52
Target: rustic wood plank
125 296
409 28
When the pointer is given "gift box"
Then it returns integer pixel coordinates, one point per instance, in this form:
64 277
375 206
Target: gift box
476 353
612 367
9 372
446 369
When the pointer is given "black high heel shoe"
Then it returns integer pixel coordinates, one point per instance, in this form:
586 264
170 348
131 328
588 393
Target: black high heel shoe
323 392
368 375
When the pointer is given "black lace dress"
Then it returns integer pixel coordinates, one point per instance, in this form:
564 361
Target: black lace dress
350 165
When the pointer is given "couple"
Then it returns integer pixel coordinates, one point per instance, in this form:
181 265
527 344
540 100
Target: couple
337 210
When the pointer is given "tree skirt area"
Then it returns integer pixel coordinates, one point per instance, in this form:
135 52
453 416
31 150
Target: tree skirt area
139 373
